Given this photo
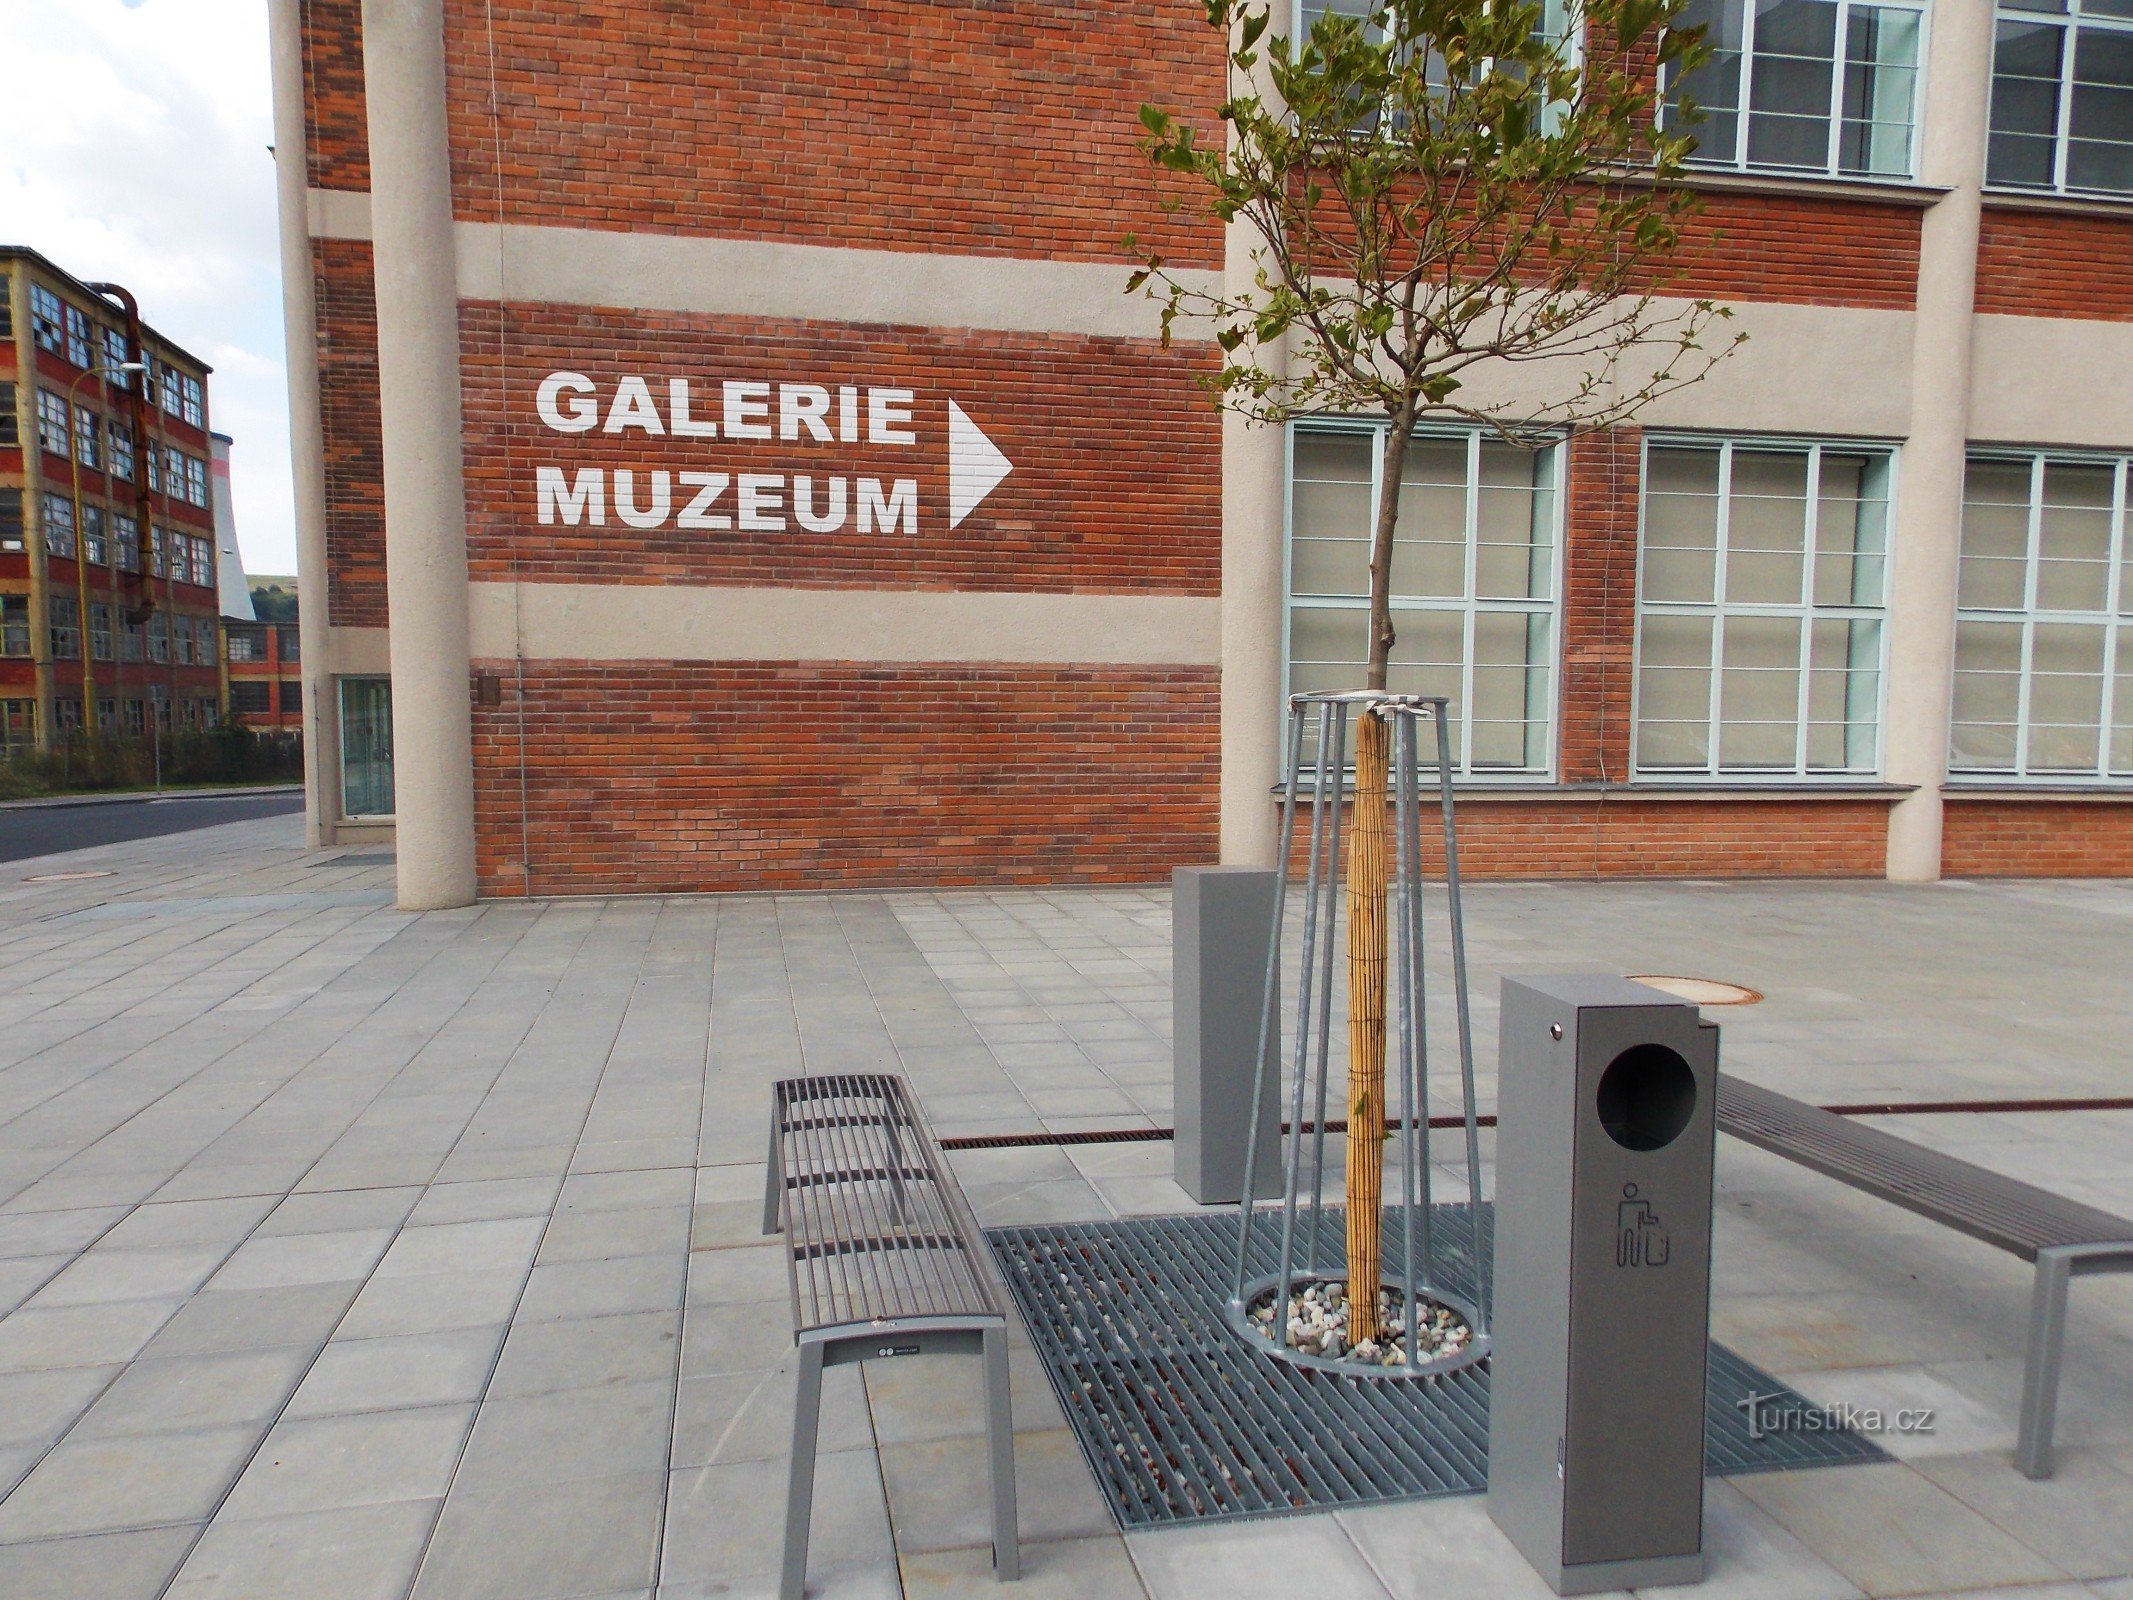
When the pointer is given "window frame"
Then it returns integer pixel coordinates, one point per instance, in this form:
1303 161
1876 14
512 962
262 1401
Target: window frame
48 320
1830 170
1464 773
1799 775
2116 620
342 685
2070 22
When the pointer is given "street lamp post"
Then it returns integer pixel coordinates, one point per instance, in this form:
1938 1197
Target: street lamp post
81 539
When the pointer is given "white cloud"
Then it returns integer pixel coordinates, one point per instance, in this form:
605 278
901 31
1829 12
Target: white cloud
137 151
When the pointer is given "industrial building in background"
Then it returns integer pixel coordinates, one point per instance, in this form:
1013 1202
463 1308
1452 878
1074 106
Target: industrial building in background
726 466
109 616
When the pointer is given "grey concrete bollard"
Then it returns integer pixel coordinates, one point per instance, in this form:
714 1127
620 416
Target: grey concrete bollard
1606 1125
1221 920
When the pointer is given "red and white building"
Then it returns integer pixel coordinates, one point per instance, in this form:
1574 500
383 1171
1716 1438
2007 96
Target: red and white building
727 459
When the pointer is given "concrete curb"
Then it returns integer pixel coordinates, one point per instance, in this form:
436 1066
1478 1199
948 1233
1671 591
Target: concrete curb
127 796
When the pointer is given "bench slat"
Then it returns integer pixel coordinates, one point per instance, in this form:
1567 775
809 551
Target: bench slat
2001 1211
876 1226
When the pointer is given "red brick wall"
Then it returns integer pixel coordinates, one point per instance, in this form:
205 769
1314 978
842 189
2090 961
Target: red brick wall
336 132
2055 264
1631 838
1599 605
2036 838
1116 450
348 405
643 776
986 127
1810 251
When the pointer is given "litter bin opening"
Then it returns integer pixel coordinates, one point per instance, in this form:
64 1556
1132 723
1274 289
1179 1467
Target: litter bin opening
1647 1095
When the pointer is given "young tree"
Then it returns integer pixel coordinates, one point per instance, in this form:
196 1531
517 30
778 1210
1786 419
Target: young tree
1433 189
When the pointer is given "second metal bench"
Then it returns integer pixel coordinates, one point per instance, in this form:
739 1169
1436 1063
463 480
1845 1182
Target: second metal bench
2065 1238
886 1261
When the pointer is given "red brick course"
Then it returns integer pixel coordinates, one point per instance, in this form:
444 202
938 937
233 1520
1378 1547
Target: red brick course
336 128
2055 264
979 127
1801 249
1116 451
654 776
1599 605
1988 838
349 418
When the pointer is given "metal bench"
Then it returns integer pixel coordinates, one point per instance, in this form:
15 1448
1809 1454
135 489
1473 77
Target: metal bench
886 1261
2064 1238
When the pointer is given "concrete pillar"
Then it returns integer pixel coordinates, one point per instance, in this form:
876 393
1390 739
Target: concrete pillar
1254 628
307 444
425 499
1929 500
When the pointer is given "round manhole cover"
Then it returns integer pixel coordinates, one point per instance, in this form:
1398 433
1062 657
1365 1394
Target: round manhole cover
66 877
1700 991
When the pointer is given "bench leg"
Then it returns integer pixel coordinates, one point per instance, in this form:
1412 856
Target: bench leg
1000 1452
774 1179
800 1486
2040 1375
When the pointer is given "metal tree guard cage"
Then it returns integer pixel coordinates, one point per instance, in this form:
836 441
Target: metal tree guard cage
1302 1214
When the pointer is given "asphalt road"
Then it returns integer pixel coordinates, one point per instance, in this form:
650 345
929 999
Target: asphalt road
49 830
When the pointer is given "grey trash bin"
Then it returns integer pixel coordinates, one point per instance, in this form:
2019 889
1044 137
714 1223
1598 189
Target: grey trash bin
1606 1122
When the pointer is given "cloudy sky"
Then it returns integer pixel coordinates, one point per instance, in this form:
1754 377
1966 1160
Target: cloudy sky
134 150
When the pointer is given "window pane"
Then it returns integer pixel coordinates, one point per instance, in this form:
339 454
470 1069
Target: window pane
1766 537
2065 697
2025 103
1880 82
1759 693
1714 87
366 747
1514 552
1851 530
1995 552
1843 695
1429 539
1795 51
2122 713
1428 649
2099 151
1988 695
1674 692
2074 537
1510 711
1680 524
1330 514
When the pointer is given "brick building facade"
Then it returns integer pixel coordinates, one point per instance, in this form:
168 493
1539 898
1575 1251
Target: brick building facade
740 467
108 609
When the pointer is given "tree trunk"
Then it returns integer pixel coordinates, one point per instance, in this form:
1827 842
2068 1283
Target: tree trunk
1369 877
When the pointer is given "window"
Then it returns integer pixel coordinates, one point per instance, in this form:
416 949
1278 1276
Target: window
130 640
14 625
290 649
204 640
115 356
53 433
192 401
1473 582
121 450
18 723
2043 686
66 718
1824 86
11 534
159 638
171 389
107 715
155 469
7 314
58 525
251 697
81 339
246 644
204 563
45 320
196 481
89 438
100 632
366 747
93 548
182 628
2062 96
10 424
125 542
158 562
136 720
64 613
1760 606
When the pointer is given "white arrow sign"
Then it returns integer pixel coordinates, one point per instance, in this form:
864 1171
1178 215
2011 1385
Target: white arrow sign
975 465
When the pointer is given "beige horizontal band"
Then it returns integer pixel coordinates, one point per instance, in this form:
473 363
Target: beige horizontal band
643 622
767 278
2051 380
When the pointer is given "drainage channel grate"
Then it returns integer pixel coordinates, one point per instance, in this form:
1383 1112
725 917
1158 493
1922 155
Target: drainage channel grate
1182 1421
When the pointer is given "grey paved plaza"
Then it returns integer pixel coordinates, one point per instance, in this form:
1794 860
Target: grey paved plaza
353 1255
